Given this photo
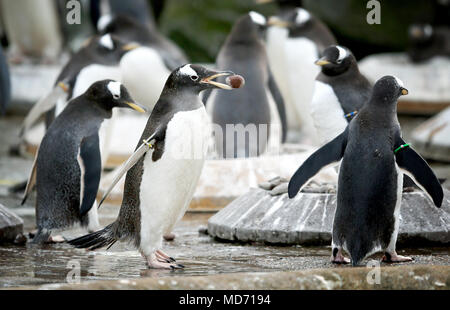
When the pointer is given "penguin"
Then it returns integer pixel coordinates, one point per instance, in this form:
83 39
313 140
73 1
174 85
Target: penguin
164 169
5 83
295 39
373 158
98 59
427 41
258 107
145 69
67 166
340 91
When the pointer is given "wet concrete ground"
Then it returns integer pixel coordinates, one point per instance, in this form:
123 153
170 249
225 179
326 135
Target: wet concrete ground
33 265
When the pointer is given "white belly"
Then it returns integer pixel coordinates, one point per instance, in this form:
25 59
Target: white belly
168 184
327 114
144 75
300 54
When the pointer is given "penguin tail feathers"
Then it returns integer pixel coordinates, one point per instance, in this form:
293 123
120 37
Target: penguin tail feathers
42 236
95 240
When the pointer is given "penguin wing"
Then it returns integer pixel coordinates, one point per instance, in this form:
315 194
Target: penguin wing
43 105
91 169
414 166
276 94
328 155
31 180
132 160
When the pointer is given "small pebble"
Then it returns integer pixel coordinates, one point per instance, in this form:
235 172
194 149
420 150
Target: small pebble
235 81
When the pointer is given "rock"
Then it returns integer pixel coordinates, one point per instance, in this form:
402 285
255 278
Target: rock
432 138
428 82
307 219
398 278
10 225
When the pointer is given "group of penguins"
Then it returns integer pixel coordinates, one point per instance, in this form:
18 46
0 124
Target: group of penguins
296 78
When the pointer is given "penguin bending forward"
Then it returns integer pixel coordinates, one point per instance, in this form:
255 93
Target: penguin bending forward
67 167
339 93
374 158
164 169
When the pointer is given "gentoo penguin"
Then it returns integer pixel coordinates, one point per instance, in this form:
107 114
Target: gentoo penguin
67 168
295 39
340 91
427 41
374 158
258 107
145 69
98 59
5 83
164 170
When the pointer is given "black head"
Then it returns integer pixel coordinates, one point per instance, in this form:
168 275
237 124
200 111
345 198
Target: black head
336 60
110 94
248 29
420 33
292 19
109 46
388 89
195 78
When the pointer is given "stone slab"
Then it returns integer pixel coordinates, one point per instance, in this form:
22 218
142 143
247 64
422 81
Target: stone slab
401 277
10 225
432 138
428 82
308 218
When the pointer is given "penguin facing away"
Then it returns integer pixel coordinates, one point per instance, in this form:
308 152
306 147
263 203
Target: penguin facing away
295 39
164 169
98 59
339 93
374 159
258 106
67 167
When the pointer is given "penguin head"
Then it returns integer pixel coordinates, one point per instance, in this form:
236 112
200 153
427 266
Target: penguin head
247 30
110 94
336 60
195 78
292 19
110 46
420 33
388 89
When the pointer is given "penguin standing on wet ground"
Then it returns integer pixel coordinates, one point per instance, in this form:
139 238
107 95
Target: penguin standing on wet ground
258 104
295 40
374 159
164 170
339 93
67 167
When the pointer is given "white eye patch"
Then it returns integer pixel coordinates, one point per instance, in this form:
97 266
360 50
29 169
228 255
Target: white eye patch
399 82
302 16
342 53
187 70
106 41
114 89
257 18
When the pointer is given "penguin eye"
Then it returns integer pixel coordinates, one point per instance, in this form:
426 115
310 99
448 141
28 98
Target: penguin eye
339 61
194 78
116 96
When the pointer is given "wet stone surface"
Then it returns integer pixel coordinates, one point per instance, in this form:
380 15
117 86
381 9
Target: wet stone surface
10 225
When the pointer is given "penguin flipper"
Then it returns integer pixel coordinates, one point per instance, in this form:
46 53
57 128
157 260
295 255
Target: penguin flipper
31 180
92 162
329 154
414 166
279 101
131 161
45 104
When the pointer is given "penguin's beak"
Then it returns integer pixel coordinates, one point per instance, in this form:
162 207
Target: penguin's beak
209 79
130 46
276 21
404 92
136 106
322 62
